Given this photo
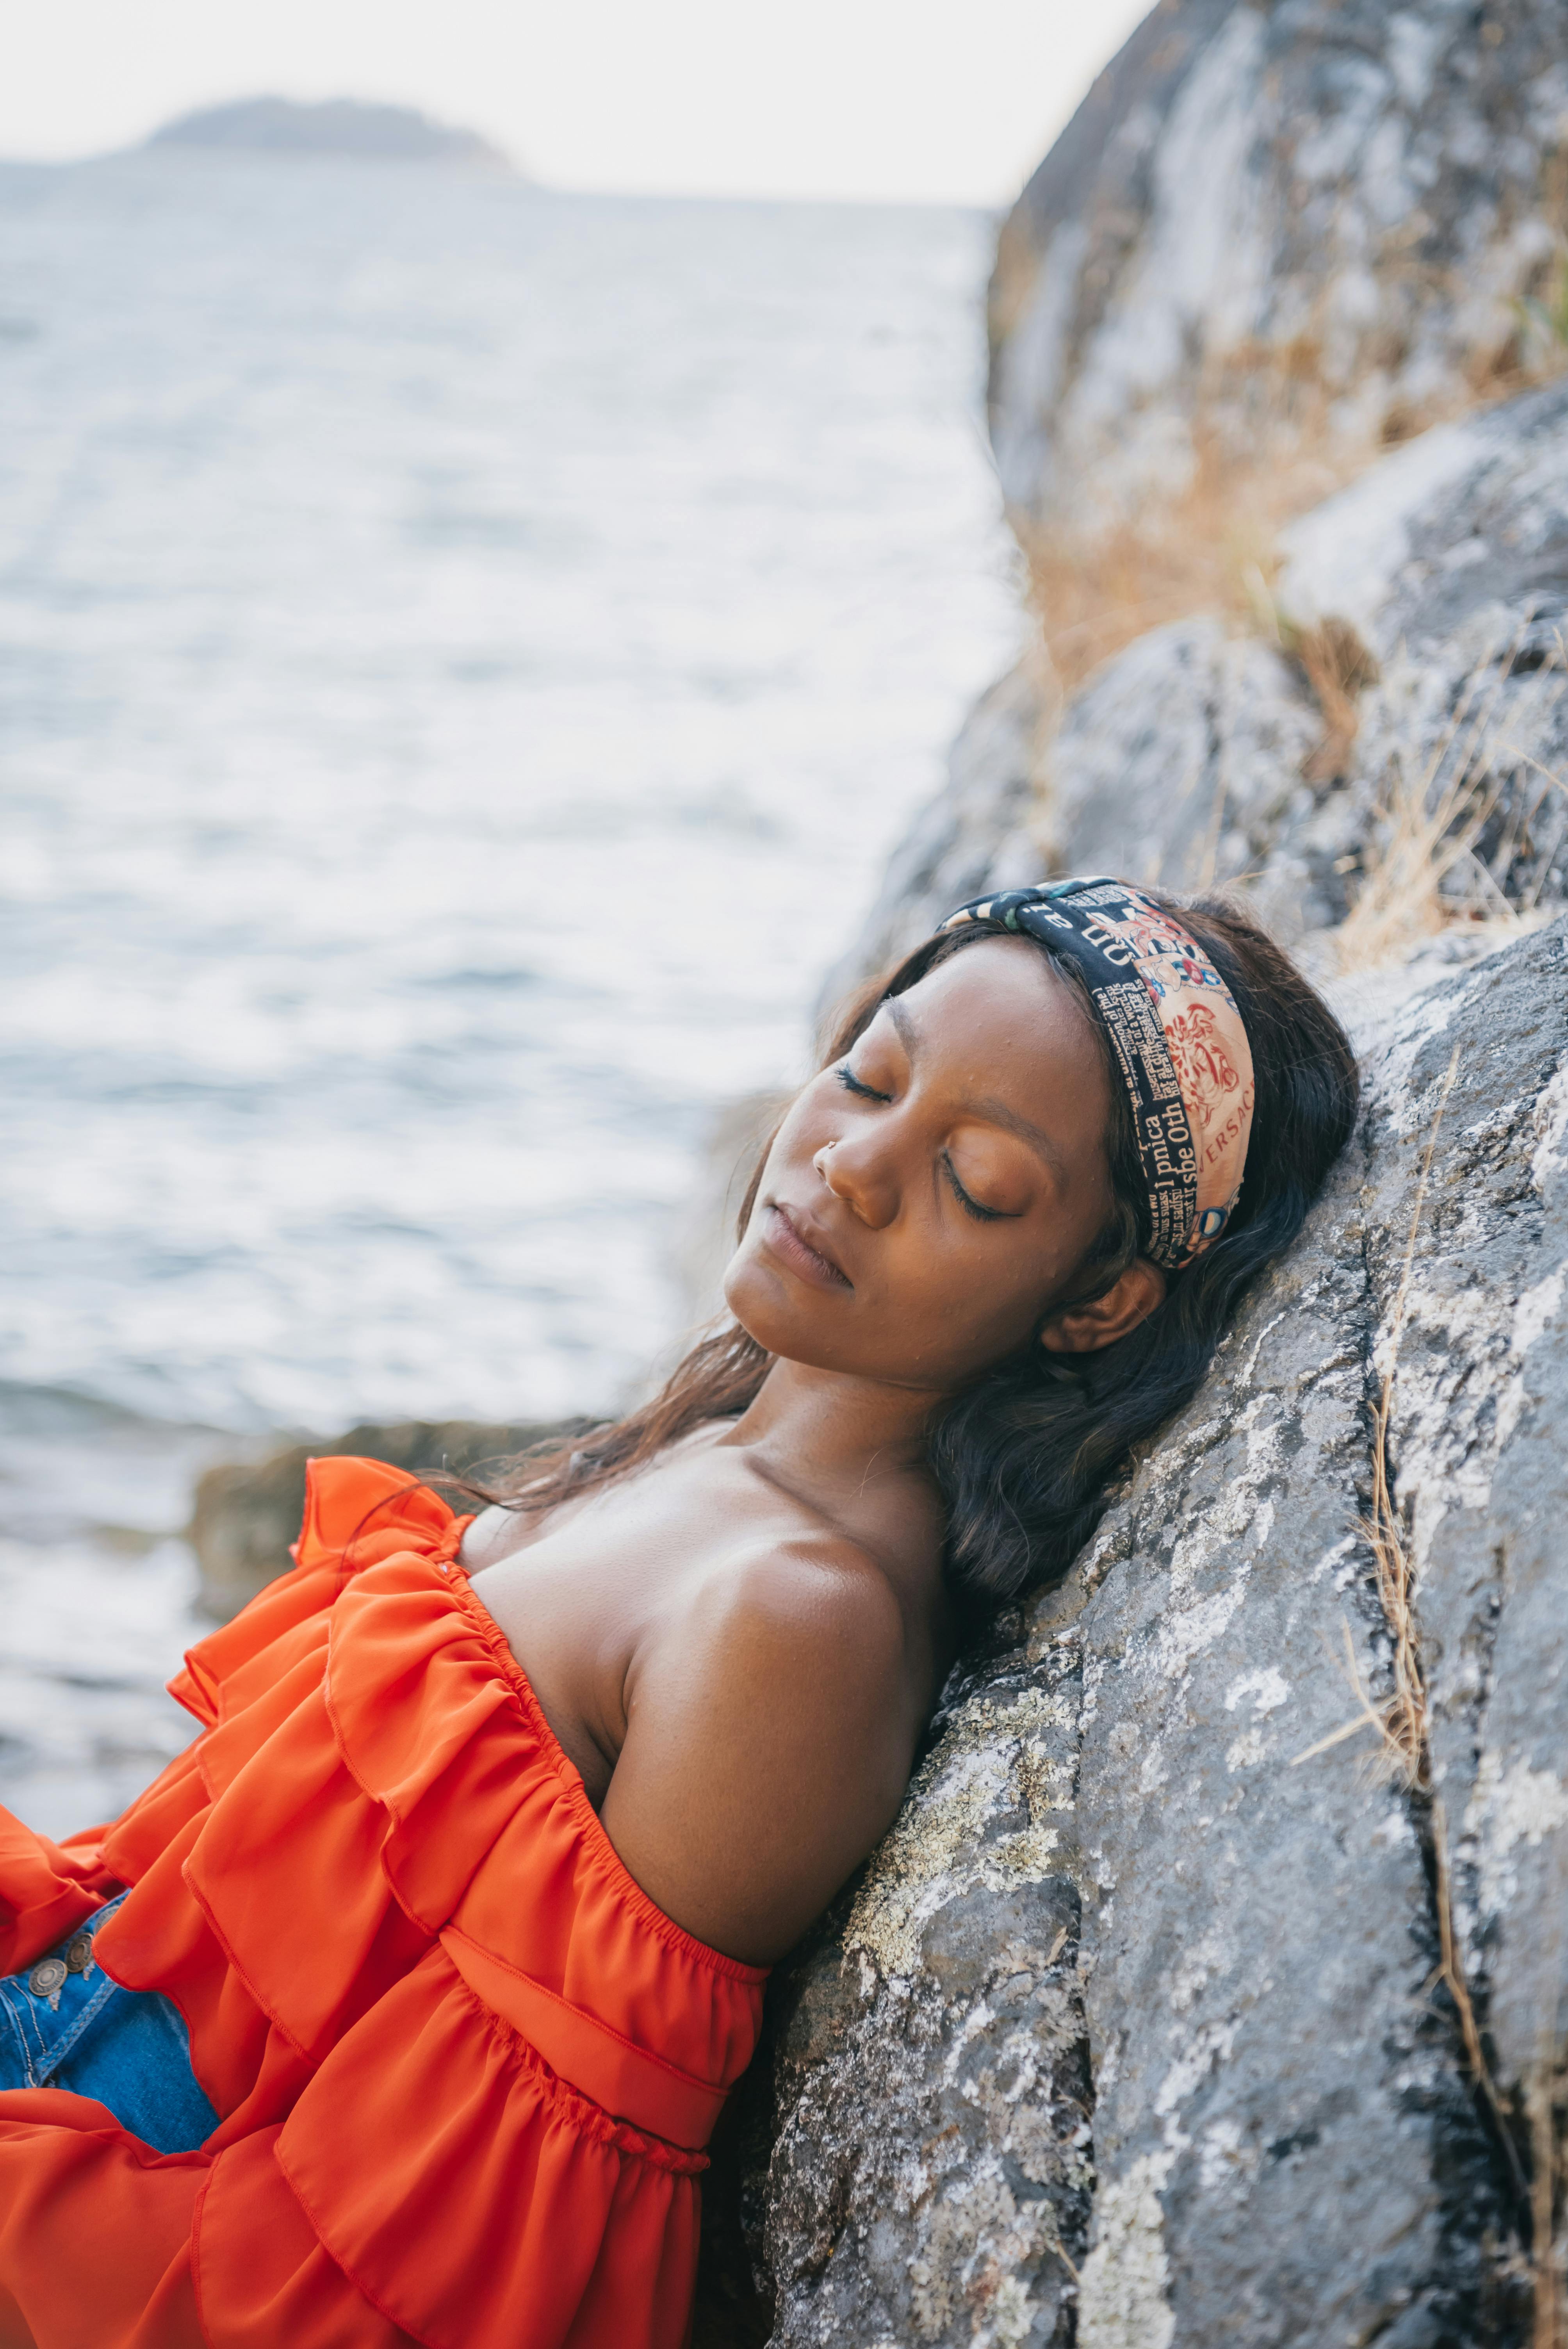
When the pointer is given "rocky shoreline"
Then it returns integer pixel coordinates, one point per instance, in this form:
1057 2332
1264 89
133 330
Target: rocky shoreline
1210 1985
1167 2014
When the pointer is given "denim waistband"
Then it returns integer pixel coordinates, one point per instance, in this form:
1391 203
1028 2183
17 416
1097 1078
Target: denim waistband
55 2002
66 2024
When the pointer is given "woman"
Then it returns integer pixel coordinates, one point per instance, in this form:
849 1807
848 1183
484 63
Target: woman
431 1977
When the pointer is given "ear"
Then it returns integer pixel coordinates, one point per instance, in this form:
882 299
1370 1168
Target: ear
1130 1300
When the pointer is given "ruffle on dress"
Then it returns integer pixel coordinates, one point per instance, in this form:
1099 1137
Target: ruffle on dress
464 2067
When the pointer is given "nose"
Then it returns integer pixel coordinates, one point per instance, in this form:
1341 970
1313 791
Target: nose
859 1173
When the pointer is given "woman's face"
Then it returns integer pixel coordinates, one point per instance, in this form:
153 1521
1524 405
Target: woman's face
931 1195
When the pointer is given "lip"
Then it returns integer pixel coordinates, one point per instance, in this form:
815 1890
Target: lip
795 1240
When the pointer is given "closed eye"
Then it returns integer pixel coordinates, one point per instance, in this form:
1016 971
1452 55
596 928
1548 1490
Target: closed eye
971 1206
852 1084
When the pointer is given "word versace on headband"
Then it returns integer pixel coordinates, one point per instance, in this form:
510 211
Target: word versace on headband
1177 1038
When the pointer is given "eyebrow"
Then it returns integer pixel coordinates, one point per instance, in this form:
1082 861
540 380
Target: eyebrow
992 1113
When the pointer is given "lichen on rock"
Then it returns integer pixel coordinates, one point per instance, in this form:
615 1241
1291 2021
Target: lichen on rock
1129 2022
950 1996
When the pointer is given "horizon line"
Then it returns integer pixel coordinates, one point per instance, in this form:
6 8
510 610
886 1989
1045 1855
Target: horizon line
506 169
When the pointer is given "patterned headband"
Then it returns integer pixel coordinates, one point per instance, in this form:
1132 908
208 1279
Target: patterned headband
1178 1040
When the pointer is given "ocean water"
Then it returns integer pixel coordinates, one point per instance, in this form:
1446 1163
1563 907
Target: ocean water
464 654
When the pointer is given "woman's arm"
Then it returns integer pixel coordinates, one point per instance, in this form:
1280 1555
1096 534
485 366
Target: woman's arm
769 1745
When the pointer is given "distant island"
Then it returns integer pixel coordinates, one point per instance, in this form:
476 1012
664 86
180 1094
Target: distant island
333 126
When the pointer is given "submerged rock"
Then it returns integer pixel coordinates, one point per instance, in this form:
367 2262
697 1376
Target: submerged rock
1132 2024
246 1513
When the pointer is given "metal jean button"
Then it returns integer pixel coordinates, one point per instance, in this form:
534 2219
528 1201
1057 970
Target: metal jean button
48 1978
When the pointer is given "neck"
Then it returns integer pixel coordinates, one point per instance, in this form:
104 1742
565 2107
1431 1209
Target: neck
849 1446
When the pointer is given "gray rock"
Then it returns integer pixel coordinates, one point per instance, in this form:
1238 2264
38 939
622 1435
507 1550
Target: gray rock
1268 2105
931 2170
1196 757
1134 2033
1181 763
1274 241
1451 560
976 830
246 1512
1131 2025
1314 226
1479 1350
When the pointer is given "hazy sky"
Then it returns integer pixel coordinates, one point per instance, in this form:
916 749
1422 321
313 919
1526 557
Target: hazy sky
940 98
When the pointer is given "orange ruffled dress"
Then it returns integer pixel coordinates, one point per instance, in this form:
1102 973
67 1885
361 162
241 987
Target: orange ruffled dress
464 2067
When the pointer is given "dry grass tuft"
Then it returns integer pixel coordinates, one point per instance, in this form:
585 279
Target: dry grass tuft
1432 819
1213 548
1405 1711
1546 2110
1263 449
1338 667
1268 442
1451 1974
1401 1721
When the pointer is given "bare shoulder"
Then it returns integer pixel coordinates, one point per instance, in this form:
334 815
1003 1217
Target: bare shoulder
819 1601
771 1731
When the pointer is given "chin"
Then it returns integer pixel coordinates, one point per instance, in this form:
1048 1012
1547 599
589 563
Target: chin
752 1295
780 1323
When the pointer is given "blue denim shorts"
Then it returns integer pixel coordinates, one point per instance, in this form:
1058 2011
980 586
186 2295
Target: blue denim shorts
64 2024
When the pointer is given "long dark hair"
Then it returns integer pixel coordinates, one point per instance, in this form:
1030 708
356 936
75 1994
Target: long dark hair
1023 1456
